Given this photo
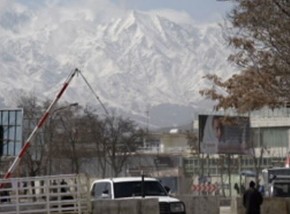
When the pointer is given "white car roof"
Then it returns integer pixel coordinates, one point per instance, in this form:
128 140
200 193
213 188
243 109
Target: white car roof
124 179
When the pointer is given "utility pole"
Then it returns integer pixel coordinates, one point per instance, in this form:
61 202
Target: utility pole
147 119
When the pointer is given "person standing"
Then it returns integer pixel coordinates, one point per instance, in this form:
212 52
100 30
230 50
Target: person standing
236 187
252 199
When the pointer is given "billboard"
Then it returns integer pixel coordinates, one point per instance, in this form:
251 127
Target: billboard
224 134
10 131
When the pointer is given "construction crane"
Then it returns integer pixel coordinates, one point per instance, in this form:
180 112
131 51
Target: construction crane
44 118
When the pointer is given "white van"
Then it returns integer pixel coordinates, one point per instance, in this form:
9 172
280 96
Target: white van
136 187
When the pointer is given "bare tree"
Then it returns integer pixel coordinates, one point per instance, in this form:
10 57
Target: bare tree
70 140
123 138
257 154
115 139
95 135
39 158
63 135
67 135
259 32
34 159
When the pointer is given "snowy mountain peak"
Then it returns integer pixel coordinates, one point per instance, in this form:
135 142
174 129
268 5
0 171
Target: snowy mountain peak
139 61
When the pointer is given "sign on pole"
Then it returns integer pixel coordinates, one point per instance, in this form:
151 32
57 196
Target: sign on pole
224 134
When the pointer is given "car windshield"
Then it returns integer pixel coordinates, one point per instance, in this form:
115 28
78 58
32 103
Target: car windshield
282 189
134 188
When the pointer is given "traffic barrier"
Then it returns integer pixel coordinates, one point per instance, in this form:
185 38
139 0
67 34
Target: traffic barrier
41 122
201 204
132 206
204 188
269 206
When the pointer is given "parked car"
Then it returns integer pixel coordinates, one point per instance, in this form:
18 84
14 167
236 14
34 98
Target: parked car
137 187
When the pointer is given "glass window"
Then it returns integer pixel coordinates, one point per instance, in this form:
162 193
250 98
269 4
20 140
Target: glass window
251 162
264 161
275 137
213 171
102 188
282 189
134 188
11 127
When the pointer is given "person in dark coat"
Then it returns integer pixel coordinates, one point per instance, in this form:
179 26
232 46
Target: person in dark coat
236 187
252 199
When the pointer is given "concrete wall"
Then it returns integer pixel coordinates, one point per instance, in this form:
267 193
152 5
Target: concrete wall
269 206
132 206
201 204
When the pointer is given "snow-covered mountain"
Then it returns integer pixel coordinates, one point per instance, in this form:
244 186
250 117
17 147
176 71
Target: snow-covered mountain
139 64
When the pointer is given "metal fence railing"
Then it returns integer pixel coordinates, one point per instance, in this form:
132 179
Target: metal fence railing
47 194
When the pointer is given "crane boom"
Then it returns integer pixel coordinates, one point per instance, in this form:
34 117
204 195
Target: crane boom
41 122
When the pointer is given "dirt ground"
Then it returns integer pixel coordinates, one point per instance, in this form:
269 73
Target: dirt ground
225 210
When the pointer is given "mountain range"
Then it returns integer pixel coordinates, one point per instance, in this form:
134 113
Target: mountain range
144 65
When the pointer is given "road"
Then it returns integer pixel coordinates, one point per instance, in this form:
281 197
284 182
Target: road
225 210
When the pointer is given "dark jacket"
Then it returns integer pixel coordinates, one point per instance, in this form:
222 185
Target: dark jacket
252 200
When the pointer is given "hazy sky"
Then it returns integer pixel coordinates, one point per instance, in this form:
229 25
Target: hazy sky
200 10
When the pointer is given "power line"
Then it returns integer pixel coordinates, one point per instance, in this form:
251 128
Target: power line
95 94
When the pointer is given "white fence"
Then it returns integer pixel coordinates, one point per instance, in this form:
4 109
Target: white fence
45 195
